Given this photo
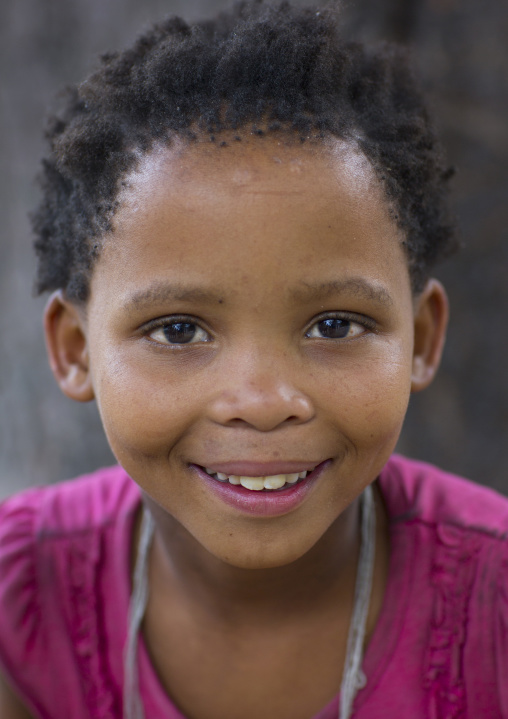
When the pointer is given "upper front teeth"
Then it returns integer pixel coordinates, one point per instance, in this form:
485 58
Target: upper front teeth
274 481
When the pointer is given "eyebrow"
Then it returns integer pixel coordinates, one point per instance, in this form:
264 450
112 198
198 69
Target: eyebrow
170 293
308 292
357 286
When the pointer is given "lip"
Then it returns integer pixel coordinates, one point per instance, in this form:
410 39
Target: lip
262 504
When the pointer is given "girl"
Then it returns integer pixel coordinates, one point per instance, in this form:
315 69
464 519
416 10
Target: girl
238 227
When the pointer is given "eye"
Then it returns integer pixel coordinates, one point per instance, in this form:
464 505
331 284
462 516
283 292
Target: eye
177 332
337 328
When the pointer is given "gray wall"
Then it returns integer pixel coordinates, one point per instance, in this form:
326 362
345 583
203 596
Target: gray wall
462 421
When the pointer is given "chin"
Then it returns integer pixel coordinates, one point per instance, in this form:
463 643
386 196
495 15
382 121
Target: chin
262 553
256 561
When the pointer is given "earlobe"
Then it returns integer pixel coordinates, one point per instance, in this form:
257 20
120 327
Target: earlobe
67 347
430 323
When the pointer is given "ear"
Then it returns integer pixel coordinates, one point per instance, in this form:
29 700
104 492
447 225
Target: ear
65 332
431 320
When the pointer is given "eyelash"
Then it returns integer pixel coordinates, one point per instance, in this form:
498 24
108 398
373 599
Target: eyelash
366 323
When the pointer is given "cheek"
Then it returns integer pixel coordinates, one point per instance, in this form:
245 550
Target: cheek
144 409
368 396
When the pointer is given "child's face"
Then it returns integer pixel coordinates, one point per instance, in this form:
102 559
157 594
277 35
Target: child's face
295 346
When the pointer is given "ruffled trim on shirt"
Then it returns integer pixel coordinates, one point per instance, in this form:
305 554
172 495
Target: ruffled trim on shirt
84 560
21 626
53 642
452 577
501 633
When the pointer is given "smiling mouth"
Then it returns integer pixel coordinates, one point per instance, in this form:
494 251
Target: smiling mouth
270 483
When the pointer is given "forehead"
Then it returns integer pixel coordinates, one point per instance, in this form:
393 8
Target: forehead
232 165
267 210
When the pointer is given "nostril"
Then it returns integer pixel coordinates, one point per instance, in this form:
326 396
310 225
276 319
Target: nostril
237 421
263 422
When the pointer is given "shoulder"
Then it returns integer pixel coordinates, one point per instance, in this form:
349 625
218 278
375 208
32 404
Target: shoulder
453 535
420 491
31 519
82 504
57 515
53 542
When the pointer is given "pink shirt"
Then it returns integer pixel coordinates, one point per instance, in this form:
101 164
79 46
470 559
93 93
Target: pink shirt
439 651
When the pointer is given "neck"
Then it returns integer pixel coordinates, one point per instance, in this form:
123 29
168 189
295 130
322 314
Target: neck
323 576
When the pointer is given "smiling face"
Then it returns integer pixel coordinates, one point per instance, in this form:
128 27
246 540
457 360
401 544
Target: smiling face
251 314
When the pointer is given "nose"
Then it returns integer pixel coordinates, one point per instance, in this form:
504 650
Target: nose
260 394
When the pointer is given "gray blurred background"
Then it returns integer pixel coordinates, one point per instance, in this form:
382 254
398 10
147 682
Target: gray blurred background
461 46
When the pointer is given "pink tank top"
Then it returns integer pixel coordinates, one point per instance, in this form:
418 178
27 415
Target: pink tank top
439 651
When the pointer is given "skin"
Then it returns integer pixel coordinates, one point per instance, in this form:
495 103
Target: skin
11 706
255 243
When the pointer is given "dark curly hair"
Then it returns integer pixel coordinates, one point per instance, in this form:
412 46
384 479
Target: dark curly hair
256 66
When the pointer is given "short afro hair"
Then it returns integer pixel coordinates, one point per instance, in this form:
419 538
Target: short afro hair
257 65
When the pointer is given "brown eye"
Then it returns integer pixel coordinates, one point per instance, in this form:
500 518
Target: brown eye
336 328
179 333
